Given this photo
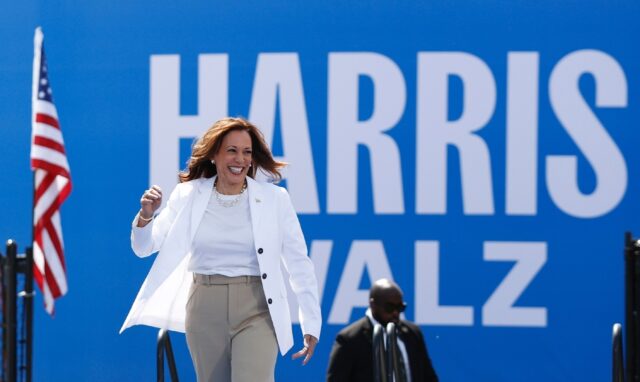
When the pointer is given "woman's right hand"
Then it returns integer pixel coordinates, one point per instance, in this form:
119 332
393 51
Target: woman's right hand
150 202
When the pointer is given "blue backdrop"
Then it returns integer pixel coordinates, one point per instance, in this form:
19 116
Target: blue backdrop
483 154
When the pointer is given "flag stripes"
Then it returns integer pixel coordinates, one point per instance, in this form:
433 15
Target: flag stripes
47 120
39 140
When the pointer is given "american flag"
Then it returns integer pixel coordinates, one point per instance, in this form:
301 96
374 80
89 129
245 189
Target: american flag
52 183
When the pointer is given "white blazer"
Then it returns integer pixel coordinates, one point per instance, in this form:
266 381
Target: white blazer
161 301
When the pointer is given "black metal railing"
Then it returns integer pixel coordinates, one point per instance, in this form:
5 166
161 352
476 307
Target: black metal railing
9 317
632 307
26 266
164 346
618 359
17 330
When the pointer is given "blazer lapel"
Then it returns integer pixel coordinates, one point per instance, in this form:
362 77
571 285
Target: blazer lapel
367 330
256 206
200 200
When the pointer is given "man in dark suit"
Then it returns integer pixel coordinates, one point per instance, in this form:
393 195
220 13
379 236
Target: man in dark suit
351 358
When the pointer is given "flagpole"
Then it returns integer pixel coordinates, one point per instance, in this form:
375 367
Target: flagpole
28 289
29 293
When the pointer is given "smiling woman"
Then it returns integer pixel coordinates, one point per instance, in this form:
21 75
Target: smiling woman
217 276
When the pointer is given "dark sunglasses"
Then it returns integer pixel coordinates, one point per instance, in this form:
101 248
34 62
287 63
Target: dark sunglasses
390 308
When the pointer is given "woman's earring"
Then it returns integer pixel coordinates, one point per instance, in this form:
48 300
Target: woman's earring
213 162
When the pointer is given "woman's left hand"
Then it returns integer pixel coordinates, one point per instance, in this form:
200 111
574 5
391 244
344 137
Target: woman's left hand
308 349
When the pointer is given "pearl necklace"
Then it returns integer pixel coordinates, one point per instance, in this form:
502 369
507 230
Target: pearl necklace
232 202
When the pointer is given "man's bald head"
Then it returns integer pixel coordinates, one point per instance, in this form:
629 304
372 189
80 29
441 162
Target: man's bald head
382 287
385 301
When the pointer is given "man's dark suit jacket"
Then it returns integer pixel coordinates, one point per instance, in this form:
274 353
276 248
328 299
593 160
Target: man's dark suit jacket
351 358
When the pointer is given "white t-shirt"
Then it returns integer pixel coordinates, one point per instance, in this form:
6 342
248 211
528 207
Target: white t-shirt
223 243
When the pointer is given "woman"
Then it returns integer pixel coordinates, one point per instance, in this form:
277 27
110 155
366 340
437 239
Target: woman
217 276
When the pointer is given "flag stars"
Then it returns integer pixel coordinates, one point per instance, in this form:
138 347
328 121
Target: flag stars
43 81
41 94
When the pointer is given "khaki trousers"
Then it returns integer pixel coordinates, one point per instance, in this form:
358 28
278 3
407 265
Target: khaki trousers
229 330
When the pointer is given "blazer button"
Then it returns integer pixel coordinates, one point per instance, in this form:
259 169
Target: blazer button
260 251
264 275
269 301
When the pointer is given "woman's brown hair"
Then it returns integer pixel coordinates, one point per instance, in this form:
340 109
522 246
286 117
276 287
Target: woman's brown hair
199 165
